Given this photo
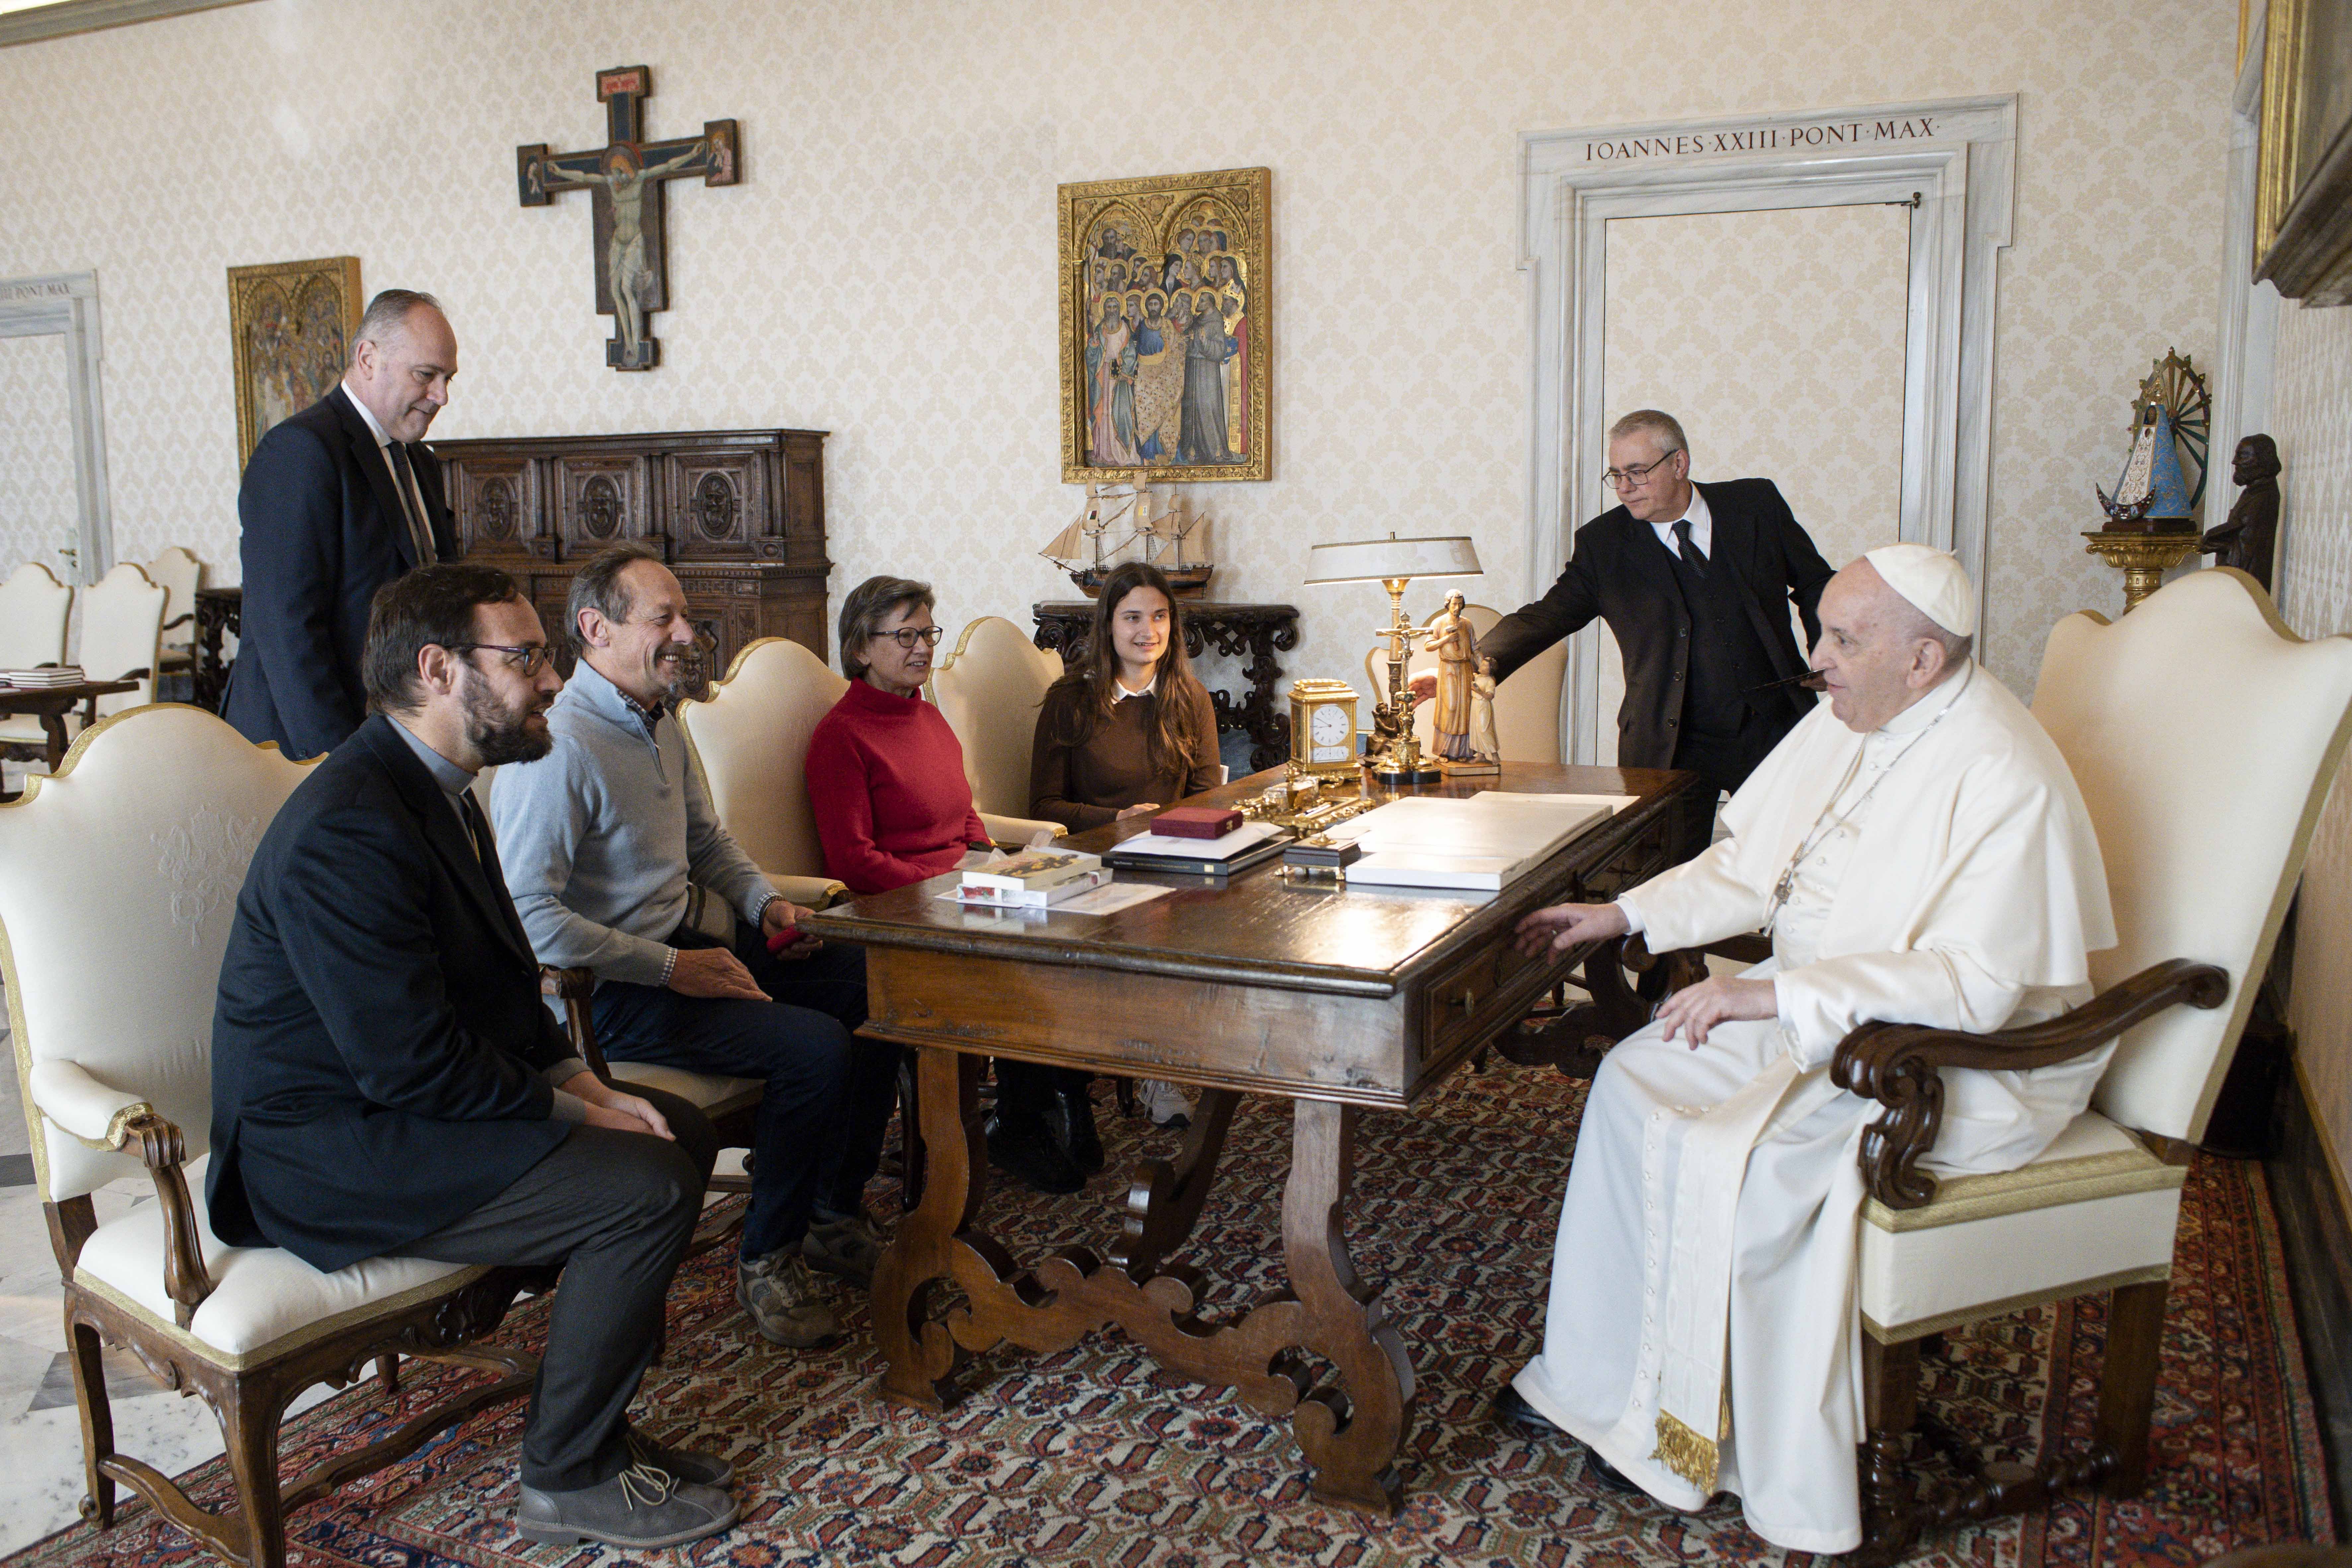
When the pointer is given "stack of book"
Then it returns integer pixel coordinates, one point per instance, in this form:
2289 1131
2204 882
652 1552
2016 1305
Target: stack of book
1035 878
1220 857
45 678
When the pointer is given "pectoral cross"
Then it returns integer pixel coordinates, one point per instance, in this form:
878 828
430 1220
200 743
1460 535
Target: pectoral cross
626 176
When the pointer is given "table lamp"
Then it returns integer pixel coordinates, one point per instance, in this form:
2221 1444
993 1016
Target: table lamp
1395 756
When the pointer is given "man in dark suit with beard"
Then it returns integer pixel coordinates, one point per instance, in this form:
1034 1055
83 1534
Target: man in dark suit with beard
338 500
1695 582
386 1080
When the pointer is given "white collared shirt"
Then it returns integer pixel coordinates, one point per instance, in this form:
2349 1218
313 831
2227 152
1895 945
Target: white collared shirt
1702 523
1124 693
413 500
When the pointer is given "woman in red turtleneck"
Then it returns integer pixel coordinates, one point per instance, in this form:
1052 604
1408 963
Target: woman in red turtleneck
885 772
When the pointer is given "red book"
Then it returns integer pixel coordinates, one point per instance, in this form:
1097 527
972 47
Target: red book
1197 822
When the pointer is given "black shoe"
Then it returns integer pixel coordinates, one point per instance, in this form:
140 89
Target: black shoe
640 1507
703 1469
1074 1123
1510 1408
1024 1149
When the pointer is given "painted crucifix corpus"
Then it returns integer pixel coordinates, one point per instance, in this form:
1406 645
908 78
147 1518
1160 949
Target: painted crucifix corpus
627 179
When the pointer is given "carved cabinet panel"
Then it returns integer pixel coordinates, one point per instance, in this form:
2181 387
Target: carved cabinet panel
738 514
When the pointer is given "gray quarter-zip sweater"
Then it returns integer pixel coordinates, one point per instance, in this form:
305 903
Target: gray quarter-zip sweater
601 835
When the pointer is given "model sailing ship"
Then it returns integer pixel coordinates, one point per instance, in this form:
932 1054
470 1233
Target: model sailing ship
1120 514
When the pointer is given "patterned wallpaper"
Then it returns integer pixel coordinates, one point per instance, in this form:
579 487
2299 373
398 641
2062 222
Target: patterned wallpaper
1777 339
37 476
885 271
2311 417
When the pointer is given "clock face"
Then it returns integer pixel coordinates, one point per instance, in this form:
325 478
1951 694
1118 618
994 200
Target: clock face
1329 725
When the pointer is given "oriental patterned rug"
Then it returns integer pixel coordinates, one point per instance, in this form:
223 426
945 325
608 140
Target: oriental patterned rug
1095 1458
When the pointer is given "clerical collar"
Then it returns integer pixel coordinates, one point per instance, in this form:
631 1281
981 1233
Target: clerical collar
1922 713
453 780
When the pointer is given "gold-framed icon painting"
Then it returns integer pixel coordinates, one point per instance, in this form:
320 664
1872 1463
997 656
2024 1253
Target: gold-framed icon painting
2303 200
293 323
1166 340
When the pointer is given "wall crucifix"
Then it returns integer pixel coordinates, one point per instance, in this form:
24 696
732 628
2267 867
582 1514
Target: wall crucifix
625 177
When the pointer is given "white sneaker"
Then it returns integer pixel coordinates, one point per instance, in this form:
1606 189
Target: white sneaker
1165 1104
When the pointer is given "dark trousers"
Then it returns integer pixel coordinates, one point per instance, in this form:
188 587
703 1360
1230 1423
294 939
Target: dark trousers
825 1097
1725 761
1027 1088
616 1211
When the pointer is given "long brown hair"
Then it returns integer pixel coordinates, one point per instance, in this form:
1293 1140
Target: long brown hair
1177 688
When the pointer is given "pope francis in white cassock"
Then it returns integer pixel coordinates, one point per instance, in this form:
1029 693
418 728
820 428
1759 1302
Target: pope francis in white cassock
1919 853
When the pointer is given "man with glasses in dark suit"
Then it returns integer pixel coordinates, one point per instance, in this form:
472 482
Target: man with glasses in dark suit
387 1081
1694 582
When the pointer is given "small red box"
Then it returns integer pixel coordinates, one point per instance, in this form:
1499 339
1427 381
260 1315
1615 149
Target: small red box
1197 822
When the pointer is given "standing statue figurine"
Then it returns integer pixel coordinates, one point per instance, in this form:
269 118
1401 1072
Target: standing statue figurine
1455 643
1483 742
2250 536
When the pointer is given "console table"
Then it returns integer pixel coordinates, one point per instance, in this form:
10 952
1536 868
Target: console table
1256 631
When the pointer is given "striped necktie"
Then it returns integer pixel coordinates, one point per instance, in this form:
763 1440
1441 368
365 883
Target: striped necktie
412 504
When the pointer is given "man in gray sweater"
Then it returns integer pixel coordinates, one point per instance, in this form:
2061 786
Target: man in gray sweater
618 864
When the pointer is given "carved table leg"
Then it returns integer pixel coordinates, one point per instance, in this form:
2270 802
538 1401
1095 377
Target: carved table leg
1164 1200
96 1420
919 1351
53 725
1350 1434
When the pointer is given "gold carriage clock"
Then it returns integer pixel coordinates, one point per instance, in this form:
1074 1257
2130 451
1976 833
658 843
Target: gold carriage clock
1322 727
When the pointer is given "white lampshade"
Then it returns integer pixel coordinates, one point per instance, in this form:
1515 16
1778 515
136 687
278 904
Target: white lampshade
1370 560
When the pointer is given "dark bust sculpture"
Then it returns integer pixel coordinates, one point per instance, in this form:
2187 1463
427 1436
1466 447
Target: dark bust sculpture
2247 539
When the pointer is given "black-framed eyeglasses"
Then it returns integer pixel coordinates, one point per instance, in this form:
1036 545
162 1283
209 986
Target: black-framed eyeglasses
529 658
907 637
1631 474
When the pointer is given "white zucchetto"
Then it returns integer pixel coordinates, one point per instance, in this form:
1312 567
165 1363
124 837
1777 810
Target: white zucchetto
1932 582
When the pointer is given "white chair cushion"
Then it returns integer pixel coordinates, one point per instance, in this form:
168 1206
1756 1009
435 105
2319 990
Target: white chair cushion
265 1301
711 1095
2095 1210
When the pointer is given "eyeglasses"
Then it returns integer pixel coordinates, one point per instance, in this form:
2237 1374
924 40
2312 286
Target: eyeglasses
1631 474
528 657
907 637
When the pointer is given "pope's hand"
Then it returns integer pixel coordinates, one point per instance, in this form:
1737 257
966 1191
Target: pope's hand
1695 1009
1563 926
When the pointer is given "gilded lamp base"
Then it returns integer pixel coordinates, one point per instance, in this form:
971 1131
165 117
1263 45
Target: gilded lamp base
2143 558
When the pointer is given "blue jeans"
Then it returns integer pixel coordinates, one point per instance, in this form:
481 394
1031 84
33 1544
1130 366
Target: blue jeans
817 1137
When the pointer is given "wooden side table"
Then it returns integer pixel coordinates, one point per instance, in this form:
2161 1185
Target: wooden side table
218 611
1256 632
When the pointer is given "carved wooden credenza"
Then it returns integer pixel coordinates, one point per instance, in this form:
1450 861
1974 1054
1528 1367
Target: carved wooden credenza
738 514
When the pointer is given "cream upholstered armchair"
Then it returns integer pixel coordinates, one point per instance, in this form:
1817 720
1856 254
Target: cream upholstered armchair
988 689
119 879
750 738
179 573
34 610
1526 704
2204 736
122 635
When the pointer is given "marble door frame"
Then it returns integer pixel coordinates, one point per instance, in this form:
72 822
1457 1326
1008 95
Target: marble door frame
1952 161
66 303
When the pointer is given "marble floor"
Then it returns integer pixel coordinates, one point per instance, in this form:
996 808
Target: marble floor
40 1432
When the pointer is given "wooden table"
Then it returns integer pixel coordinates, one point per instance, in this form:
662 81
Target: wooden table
220 612
1337 1000
52 703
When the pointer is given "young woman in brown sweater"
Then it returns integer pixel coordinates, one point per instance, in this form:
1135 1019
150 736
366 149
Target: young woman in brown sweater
1128 732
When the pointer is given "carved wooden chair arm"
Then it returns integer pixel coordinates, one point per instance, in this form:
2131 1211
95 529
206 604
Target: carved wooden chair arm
573 987
1895 1064
165 1151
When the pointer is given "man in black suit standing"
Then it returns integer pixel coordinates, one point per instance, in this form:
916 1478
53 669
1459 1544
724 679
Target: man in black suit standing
338 500
1695 582
386 1080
